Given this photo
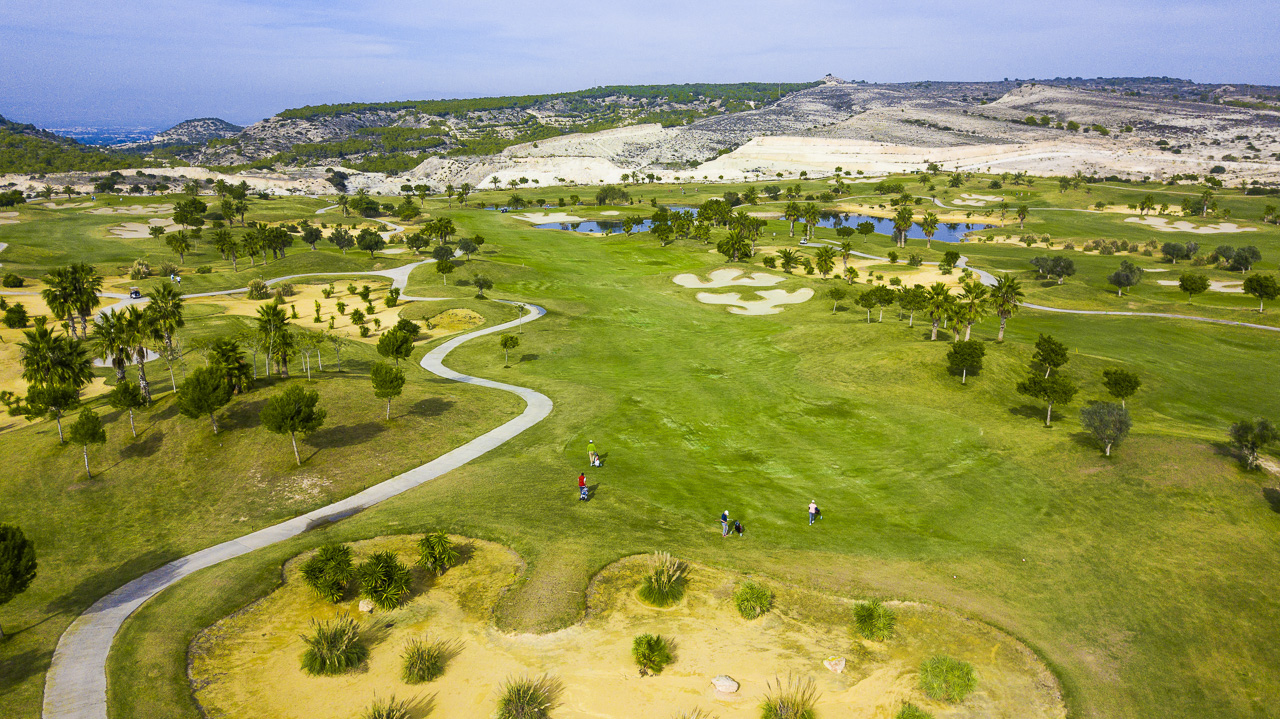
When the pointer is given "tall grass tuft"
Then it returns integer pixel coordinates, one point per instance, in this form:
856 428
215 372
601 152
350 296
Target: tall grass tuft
792 699
384 580
947 679
752 599
665 582
436 552
652 652
334 647
874 620
424 659
528 698
328 571
911 711
695 714
387 708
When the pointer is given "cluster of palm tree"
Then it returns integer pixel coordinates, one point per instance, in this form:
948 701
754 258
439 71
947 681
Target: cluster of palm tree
795 212
128 335
73 294
974 302
55 367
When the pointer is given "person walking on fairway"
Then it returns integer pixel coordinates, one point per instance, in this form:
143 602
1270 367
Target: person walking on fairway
813 511
724 524
582 486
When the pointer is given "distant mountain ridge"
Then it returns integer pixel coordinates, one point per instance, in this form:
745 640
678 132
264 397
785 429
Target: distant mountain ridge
196 132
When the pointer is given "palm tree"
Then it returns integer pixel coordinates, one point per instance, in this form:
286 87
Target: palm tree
271 328
1005 298
928 225
88 284
791 213
939 305
901 225
60 296
142 331
846 249
973 304
824 260
788 258
342 202
811 215
1023 211
166 305
111 341
54 360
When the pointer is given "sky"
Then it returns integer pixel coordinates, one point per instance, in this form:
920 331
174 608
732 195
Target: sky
158 62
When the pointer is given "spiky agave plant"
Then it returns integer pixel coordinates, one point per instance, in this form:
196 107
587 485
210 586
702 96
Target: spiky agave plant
947 679
752 599
651 652
437 553
328 571
792 699
424 659
874 620
384 580
333 647
387 708
664 584
528 698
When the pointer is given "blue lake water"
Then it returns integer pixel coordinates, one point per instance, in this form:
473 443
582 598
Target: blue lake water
608 227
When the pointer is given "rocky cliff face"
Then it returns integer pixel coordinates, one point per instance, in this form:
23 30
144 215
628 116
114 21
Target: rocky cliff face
196 132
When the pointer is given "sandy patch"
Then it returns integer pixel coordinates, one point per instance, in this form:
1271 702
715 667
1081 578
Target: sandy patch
394 251
976 200
765 215
1214 285
542 219
770 305
728 277
450 322
304 301
66 205
139 231
1162 224
247 665
611 212
161 209
6 218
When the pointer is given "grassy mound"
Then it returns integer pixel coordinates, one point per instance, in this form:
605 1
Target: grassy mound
664 584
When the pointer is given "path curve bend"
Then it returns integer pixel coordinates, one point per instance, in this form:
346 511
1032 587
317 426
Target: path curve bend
76 684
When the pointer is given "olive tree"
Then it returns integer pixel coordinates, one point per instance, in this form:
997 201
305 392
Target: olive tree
1108 422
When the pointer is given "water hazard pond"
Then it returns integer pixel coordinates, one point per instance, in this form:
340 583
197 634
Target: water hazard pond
947 232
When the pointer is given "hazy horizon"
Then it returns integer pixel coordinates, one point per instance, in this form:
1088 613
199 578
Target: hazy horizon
153 64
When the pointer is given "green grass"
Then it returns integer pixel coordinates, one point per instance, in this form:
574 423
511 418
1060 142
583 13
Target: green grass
1142 579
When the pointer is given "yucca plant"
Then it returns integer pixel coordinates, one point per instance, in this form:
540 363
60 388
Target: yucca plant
651 652
424 659
664 584
911 711
387 708
947 679
437 553
528 698
328 571
752 599
874 620
792 699
333 647
384 580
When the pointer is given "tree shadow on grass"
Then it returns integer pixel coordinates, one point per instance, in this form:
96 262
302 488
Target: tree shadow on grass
345 435
528 357
1086 440
21 667
1272 495
106 580
242 415
1030 411
430 407
144 446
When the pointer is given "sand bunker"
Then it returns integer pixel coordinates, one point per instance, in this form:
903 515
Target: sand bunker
66 206
138 230
1162 224
541 219
393 251
247 665
976 200
770 305
1214 285
611 212
161 209
6 218
728 277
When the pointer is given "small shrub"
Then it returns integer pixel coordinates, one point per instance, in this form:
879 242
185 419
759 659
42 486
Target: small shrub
286 288
204 270
15 316
770 261
384 580
436 552
424 660
528 698
947 679
334 647
651 653
12 280
342 307
874 620
695 714
911 711
793 699
258 290
167 269
327 292
752 599
139 270
364 330
328 571
387 708
665 582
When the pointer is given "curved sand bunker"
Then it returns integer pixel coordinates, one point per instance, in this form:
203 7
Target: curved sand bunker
247 665
160 209
543 218
66 205
6 218
1162 224
1214 285
770 305
138 230
976 200
728 277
